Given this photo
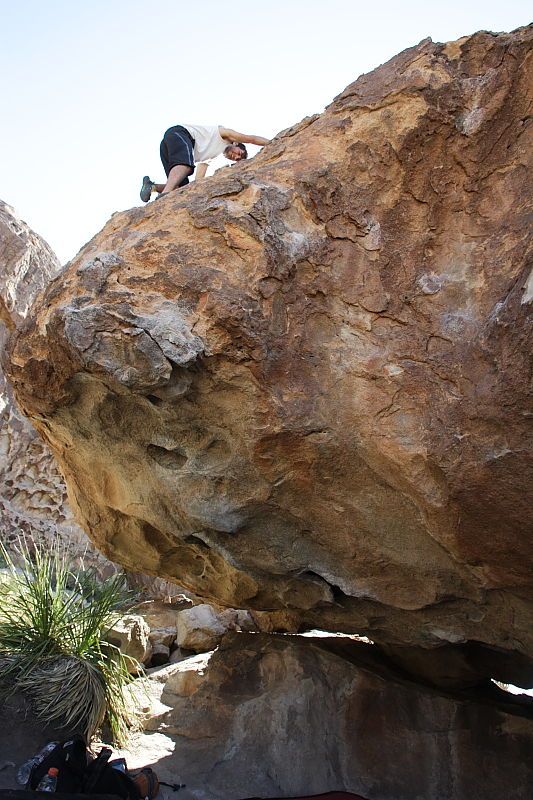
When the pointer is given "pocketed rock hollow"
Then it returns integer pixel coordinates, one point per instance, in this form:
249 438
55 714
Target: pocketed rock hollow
302 383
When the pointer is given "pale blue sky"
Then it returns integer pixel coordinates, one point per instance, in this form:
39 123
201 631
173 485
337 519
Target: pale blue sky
88 88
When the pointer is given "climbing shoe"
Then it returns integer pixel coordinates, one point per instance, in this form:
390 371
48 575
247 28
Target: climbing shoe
146 189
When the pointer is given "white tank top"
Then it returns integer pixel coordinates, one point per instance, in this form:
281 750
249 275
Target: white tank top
208 143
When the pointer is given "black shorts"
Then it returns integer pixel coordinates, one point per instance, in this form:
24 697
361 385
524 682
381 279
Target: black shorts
176 148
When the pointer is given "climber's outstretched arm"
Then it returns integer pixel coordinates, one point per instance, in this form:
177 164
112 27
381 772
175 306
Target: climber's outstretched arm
245 138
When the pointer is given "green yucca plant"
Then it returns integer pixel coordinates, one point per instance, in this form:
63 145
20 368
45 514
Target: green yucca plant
52 621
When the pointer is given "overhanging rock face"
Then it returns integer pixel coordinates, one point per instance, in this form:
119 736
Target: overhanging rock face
302 383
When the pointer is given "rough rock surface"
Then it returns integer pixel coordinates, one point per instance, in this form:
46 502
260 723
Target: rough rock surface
265 717
200 628
302 383
33 496
28 266
131 634
278 716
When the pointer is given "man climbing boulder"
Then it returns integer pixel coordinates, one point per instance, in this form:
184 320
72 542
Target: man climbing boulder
184 146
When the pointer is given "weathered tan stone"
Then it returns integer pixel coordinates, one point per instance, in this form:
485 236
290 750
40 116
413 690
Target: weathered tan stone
301 384
235 619
276 621
199 628
131 634
164 636
158 614
165 592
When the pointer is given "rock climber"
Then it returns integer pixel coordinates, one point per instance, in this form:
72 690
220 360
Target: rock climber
183 146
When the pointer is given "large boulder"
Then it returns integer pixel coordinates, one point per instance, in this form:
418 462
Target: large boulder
281 717
301 384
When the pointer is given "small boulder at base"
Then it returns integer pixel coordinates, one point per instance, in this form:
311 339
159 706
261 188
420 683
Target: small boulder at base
200 629
131 634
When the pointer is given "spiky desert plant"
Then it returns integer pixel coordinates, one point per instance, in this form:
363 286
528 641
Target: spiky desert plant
52 621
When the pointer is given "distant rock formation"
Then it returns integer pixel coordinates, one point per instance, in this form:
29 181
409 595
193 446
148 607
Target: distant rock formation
33 498
33 495
28 265
302 383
